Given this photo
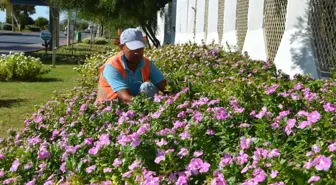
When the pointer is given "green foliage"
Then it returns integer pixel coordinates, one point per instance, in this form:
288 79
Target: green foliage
17 67
7 26
82 25
135 12
34 28
41 22
98 41
228 120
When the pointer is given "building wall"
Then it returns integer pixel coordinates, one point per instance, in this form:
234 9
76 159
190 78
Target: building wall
298 36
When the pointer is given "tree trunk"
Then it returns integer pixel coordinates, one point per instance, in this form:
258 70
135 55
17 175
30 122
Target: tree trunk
150 33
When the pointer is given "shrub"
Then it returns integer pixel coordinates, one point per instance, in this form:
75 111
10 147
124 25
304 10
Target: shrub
231 120
41 22
7 27
98 41
17 67
33 28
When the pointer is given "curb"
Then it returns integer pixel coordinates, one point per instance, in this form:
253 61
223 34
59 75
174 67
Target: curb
9 33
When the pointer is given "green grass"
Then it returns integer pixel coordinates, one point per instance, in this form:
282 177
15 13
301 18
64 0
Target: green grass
18 99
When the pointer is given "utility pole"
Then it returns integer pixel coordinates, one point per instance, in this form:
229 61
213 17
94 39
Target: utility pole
68 27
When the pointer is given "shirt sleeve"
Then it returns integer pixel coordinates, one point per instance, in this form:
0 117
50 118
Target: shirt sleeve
114 78
156 75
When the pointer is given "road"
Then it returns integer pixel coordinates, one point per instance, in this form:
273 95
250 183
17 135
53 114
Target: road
24 42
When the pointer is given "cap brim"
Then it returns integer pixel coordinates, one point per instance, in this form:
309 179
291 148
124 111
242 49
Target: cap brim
135 45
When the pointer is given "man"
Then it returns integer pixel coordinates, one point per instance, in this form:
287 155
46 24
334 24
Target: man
126 74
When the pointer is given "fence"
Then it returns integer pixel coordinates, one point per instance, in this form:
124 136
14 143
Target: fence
299 36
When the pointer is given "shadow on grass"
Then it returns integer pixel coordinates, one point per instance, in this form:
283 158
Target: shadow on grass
46 79
8 103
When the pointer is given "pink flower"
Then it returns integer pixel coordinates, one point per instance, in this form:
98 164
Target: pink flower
182 180
262 113
298 86
322 163
134 165
329 107
104 139
308 164
244 125
304 124
210 132
88 141
219 180
245 169
106 182
302 113
316 149
90 169
8 181
2 156
117 162
160 157
183 152
32 182
15 165
162 142
274 153
332 147
245 143
197 117
198 153
309 154
107 170
43 154
196 165
127 174
2 173
143 129
182 114
259 175
274 174
135 140
313 179
185 135
313 117
290 125
242 158
83 107
227 159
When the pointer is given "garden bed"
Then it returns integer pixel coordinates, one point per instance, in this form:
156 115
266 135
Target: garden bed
228 120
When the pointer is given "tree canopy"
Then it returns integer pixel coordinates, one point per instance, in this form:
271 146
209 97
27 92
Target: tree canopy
41 22
141 13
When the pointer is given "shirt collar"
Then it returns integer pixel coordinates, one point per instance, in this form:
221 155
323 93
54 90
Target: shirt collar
140 65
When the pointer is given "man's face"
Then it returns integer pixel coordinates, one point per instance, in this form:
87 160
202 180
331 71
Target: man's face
133 56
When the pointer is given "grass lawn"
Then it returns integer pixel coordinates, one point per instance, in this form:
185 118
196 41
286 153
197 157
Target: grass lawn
18 99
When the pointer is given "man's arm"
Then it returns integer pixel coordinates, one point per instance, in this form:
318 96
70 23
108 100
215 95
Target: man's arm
125 96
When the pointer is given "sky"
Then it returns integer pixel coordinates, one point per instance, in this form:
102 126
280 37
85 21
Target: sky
41 11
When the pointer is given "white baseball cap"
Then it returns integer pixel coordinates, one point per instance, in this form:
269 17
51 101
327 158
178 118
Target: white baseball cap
132 38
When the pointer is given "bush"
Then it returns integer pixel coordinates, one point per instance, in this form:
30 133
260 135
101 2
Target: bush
98 41
228 120
7 27
17 67
33 28
41 22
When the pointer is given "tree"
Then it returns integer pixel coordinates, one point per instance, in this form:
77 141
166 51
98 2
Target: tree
21 12
41 22
138 12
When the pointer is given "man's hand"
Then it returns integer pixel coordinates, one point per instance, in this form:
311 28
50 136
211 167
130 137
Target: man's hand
125 96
